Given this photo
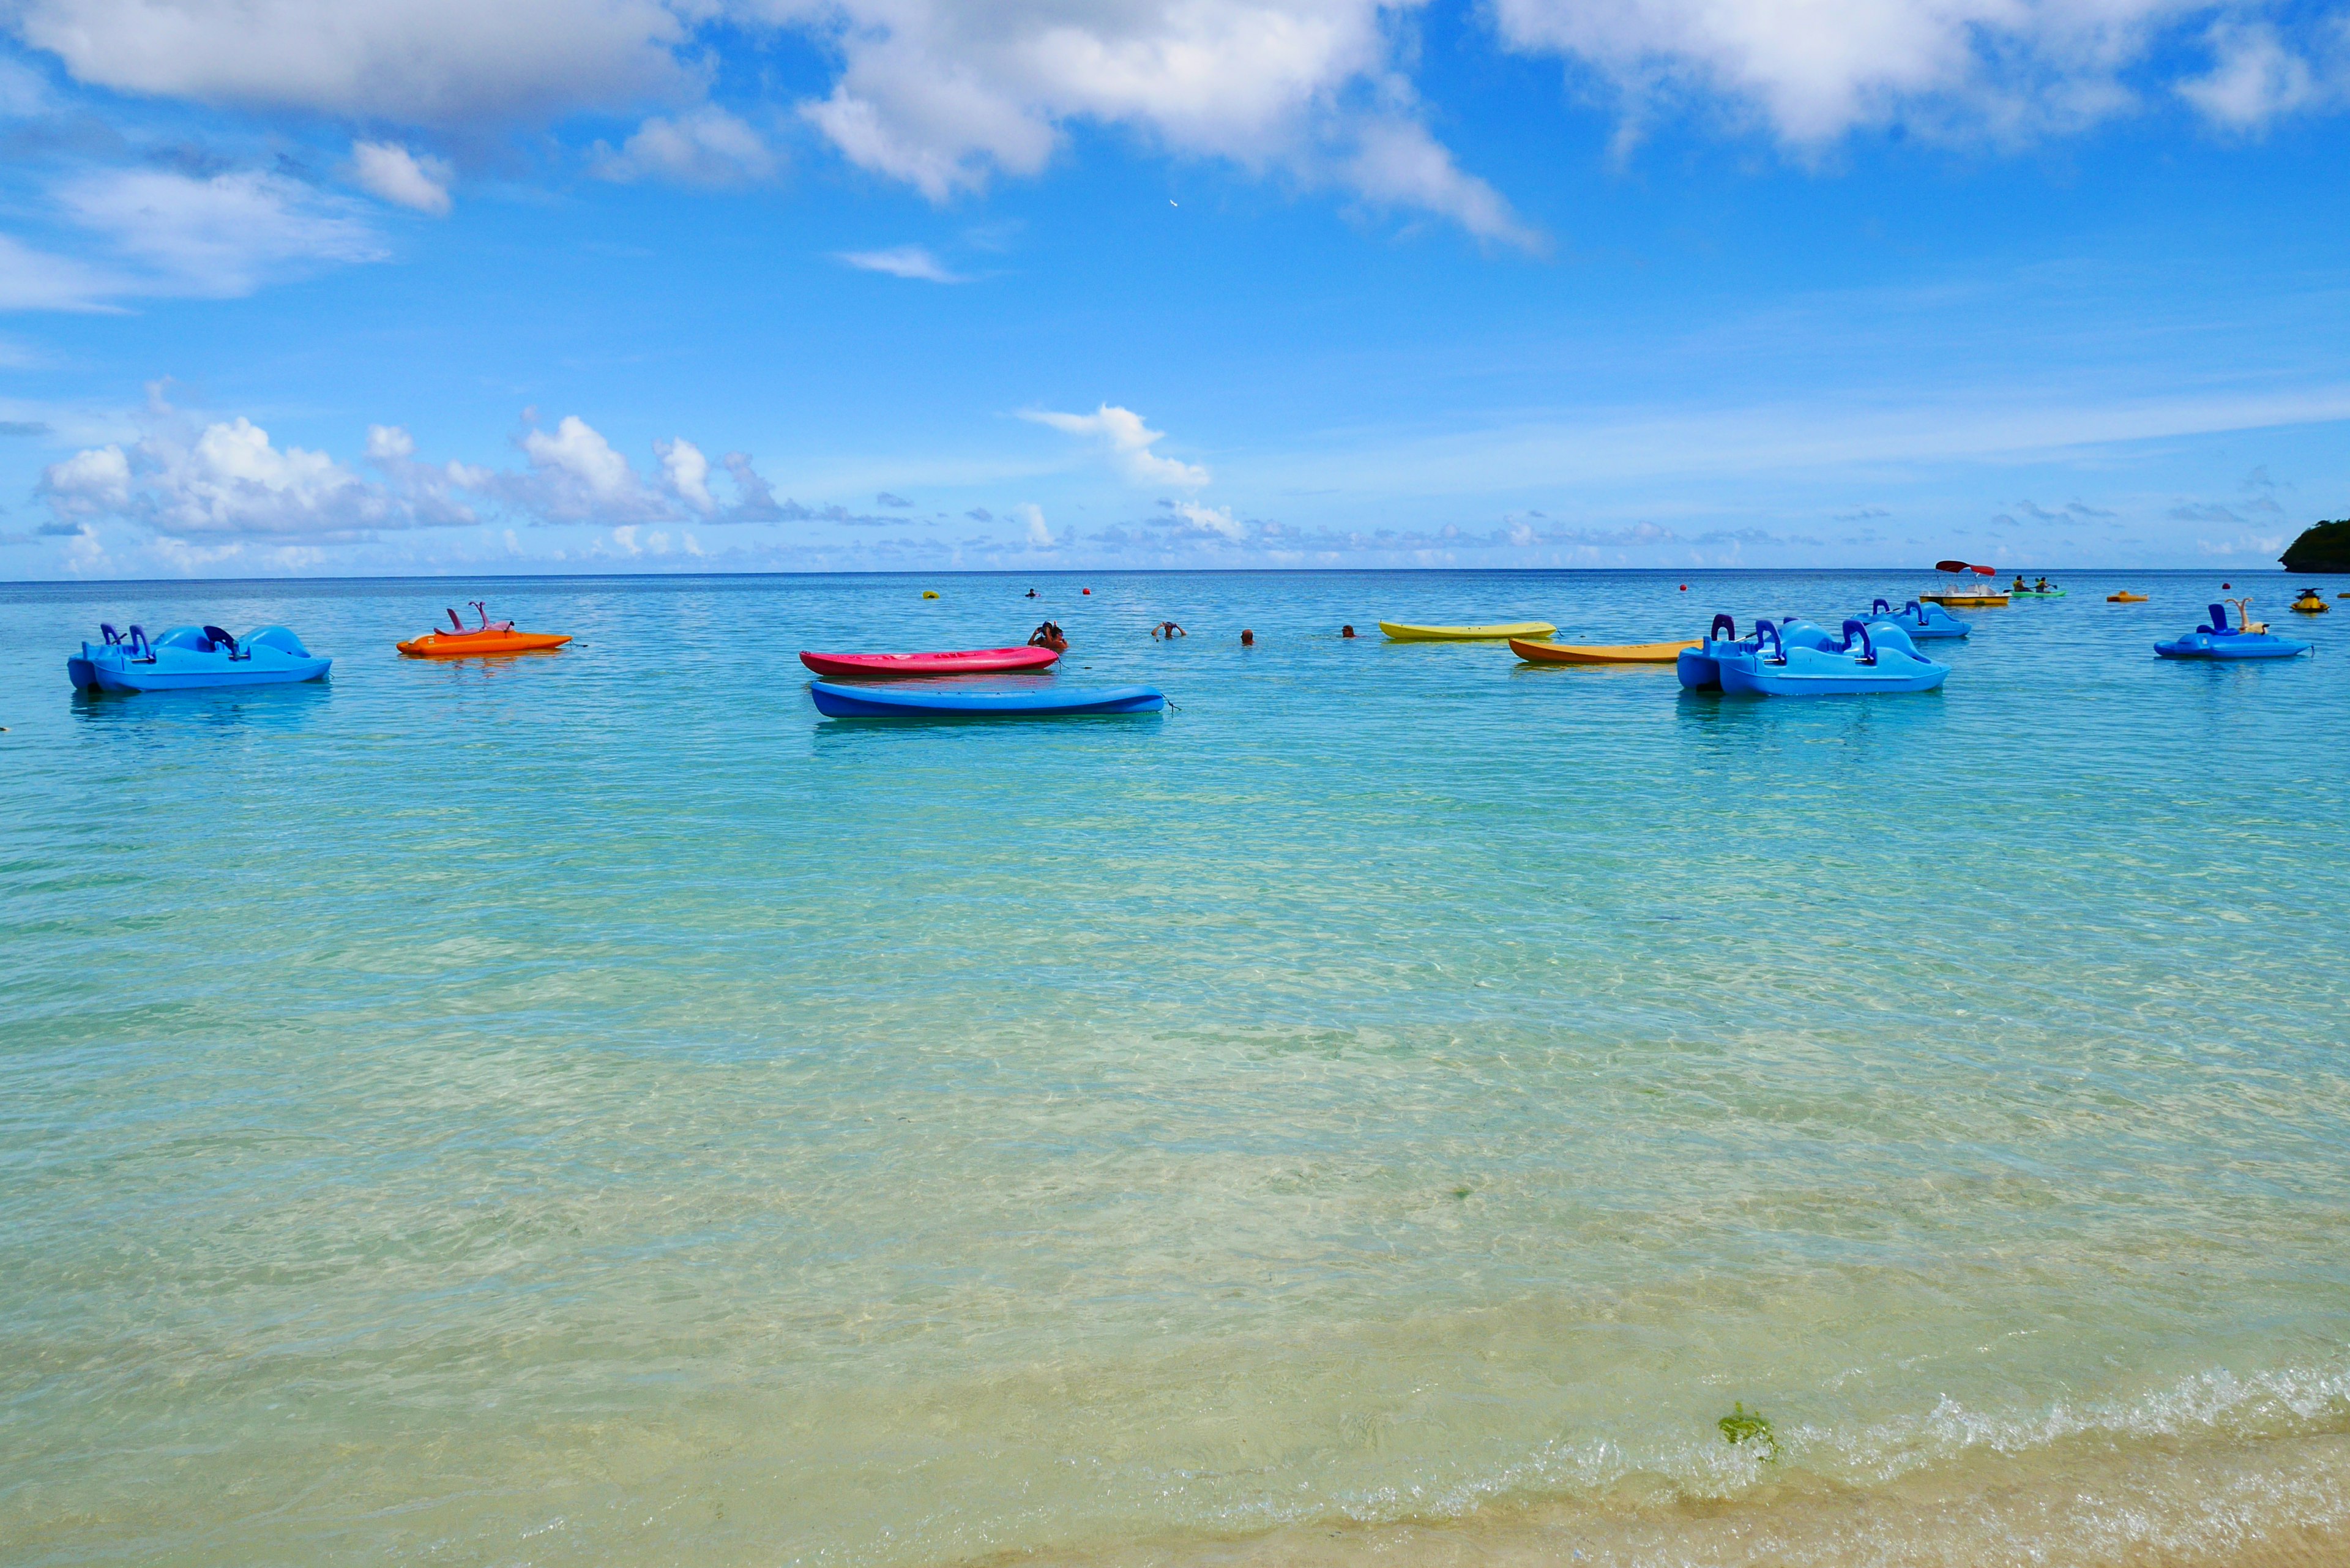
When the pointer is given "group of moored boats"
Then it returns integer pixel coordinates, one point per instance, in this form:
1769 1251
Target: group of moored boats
1875 652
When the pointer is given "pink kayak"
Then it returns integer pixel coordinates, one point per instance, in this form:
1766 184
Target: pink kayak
968 661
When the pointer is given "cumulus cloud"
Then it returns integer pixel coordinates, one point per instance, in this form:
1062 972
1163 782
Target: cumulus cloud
945 94
413 62
187 479
903 260
688 473
1033 516
386 169
1128 441
707 147
1217 521
227 478
90 483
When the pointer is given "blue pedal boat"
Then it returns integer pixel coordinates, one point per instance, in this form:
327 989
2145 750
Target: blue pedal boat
190 657
1870 659
862 702
1699 668
2221 641
1922 622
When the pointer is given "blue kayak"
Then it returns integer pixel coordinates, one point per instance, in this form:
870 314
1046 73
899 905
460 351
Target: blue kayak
1699 668
1871 659
189 656
1922 622
863 701
2221 641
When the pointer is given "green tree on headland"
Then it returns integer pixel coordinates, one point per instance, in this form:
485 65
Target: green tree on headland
2324 547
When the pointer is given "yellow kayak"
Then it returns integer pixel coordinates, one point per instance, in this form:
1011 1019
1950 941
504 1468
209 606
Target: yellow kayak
1399 632
1611 653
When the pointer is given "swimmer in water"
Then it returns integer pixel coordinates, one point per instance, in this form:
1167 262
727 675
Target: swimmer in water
1032 593
1346 631
1248 637
1167 629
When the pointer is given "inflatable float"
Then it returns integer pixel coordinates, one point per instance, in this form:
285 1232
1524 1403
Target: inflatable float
2247 639
1606 653
838 702
1869 661
490 637
1402 631
189 656
961 662
1923 622
2125 597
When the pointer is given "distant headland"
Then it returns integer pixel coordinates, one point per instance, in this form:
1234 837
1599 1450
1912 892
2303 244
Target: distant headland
2323 548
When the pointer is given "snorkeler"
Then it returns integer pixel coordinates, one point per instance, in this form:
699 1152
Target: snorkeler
1167 629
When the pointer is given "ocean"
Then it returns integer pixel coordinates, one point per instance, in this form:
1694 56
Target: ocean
589 1108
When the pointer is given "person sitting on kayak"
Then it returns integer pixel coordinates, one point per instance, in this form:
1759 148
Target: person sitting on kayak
2019 588
1167 629
2041 587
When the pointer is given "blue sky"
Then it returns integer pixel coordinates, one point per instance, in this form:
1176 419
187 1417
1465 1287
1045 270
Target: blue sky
430 285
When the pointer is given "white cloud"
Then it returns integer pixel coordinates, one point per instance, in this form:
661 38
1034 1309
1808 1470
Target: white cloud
707 147
1398 162
1039 537
411 62
1812 70
87 484
187 479
1217 520
688 472
943 94
903 260
1129 441
225 479
575 476
387 170
218 237
36 280
2254 77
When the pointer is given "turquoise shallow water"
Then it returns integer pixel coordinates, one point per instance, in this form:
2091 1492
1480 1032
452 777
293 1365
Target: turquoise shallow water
588 1109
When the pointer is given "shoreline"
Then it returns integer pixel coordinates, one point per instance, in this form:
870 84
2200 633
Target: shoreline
2275 1503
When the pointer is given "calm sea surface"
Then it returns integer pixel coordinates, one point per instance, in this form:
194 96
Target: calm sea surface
589 1108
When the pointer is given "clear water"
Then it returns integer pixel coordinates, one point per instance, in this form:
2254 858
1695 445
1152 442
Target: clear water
586 1109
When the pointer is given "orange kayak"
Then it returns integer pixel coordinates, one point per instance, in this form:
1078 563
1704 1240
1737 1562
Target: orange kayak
496 639
1613 653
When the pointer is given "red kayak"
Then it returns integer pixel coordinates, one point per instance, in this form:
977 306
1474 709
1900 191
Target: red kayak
968 661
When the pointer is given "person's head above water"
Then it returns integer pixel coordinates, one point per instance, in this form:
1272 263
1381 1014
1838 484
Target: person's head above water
1248 637
1346 631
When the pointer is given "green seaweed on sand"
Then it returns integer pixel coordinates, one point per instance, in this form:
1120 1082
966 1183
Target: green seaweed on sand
1744 1427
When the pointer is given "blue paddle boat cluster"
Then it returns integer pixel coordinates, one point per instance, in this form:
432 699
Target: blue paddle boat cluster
1920 622
2248 639
188 657
1798 659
